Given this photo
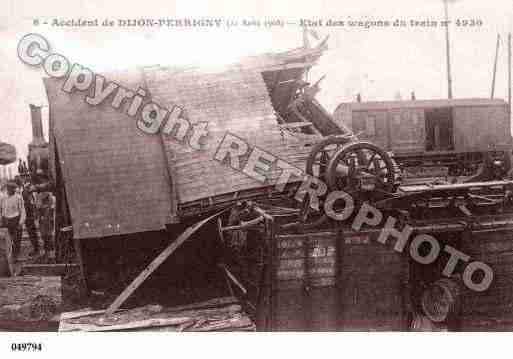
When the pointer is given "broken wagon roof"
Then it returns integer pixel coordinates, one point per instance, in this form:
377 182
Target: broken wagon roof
114 175
120 180
236 102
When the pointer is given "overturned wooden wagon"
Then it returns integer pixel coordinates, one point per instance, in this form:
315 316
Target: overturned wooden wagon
124 194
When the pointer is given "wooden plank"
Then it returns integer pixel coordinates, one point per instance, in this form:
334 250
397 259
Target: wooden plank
222 313
157 262
149 316
493 305
234 279
215 302
78 251
295 124
48 270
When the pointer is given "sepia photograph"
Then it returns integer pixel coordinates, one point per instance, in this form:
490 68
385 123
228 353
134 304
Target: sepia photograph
261 166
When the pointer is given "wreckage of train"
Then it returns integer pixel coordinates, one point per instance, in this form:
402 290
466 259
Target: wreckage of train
153 220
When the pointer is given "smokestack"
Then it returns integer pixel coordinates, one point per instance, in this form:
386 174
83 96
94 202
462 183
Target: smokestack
38 149
37 125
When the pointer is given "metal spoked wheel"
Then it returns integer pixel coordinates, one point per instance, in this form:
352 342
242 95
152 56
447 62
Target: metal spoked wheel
318 160
361 167
316 165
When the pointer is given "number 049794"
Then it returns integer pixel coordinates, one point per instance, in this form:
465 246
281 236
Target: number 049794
26 347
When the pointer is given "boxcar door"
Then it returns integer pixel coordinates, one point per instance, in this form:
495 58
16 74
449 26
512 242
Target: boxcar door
439 129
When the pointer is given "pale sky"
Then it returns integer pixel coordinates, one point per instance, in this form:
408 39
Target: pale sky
376 62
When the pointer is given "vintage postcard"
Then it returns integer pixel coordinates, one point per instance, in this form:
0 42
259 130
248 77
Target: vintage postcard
257 166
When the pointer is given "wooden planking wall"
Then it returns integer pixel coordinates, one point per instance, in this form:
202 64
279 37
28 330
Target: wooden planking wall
234 101
115 176
354 283
490 309
306 260
398 130
478 127
380 136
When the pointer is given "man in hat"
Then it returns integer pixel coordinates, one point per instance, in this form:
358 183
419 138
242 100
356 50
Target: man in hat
47 222
30 213
12 211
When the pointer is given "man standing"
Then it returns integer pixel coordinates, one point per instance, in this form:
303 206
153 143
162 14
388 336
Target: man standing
47 222
12 211
30 211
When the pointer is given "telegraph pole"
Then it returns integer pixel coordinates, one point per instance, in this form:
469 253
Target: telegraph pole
509 73
447 51
495 65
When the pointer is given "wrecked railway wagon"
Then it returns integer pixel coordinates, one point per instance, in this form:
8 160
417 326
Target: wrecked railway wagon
153 219
117 173
125 193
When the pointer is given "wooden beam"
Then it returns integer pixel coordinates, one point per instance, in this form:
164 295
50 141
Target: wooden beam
46 270
77 245
147 317
260 211
222 313
296 65
157 262
296 124
244 224
234 279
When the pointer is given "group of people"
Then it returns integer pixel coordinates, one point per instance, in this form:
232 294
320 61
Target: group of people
23 204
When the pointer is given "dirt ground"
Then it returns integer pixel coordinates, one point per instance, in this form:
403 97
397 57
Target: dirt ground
71 294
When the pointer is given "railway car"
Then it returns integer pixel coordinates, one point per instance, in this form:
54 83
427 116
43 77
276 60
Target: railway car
454 135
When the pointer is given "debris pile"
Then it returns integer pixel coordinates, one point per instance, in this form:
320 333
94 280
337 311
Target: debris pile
219 314
29 298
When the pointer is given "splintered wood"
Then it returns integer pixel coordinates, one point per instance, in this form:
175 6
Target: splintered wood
219 314
29 298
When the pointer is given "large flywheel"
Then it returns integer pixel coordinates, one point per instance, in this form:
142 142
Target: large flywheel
321 154
362 168
317 165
